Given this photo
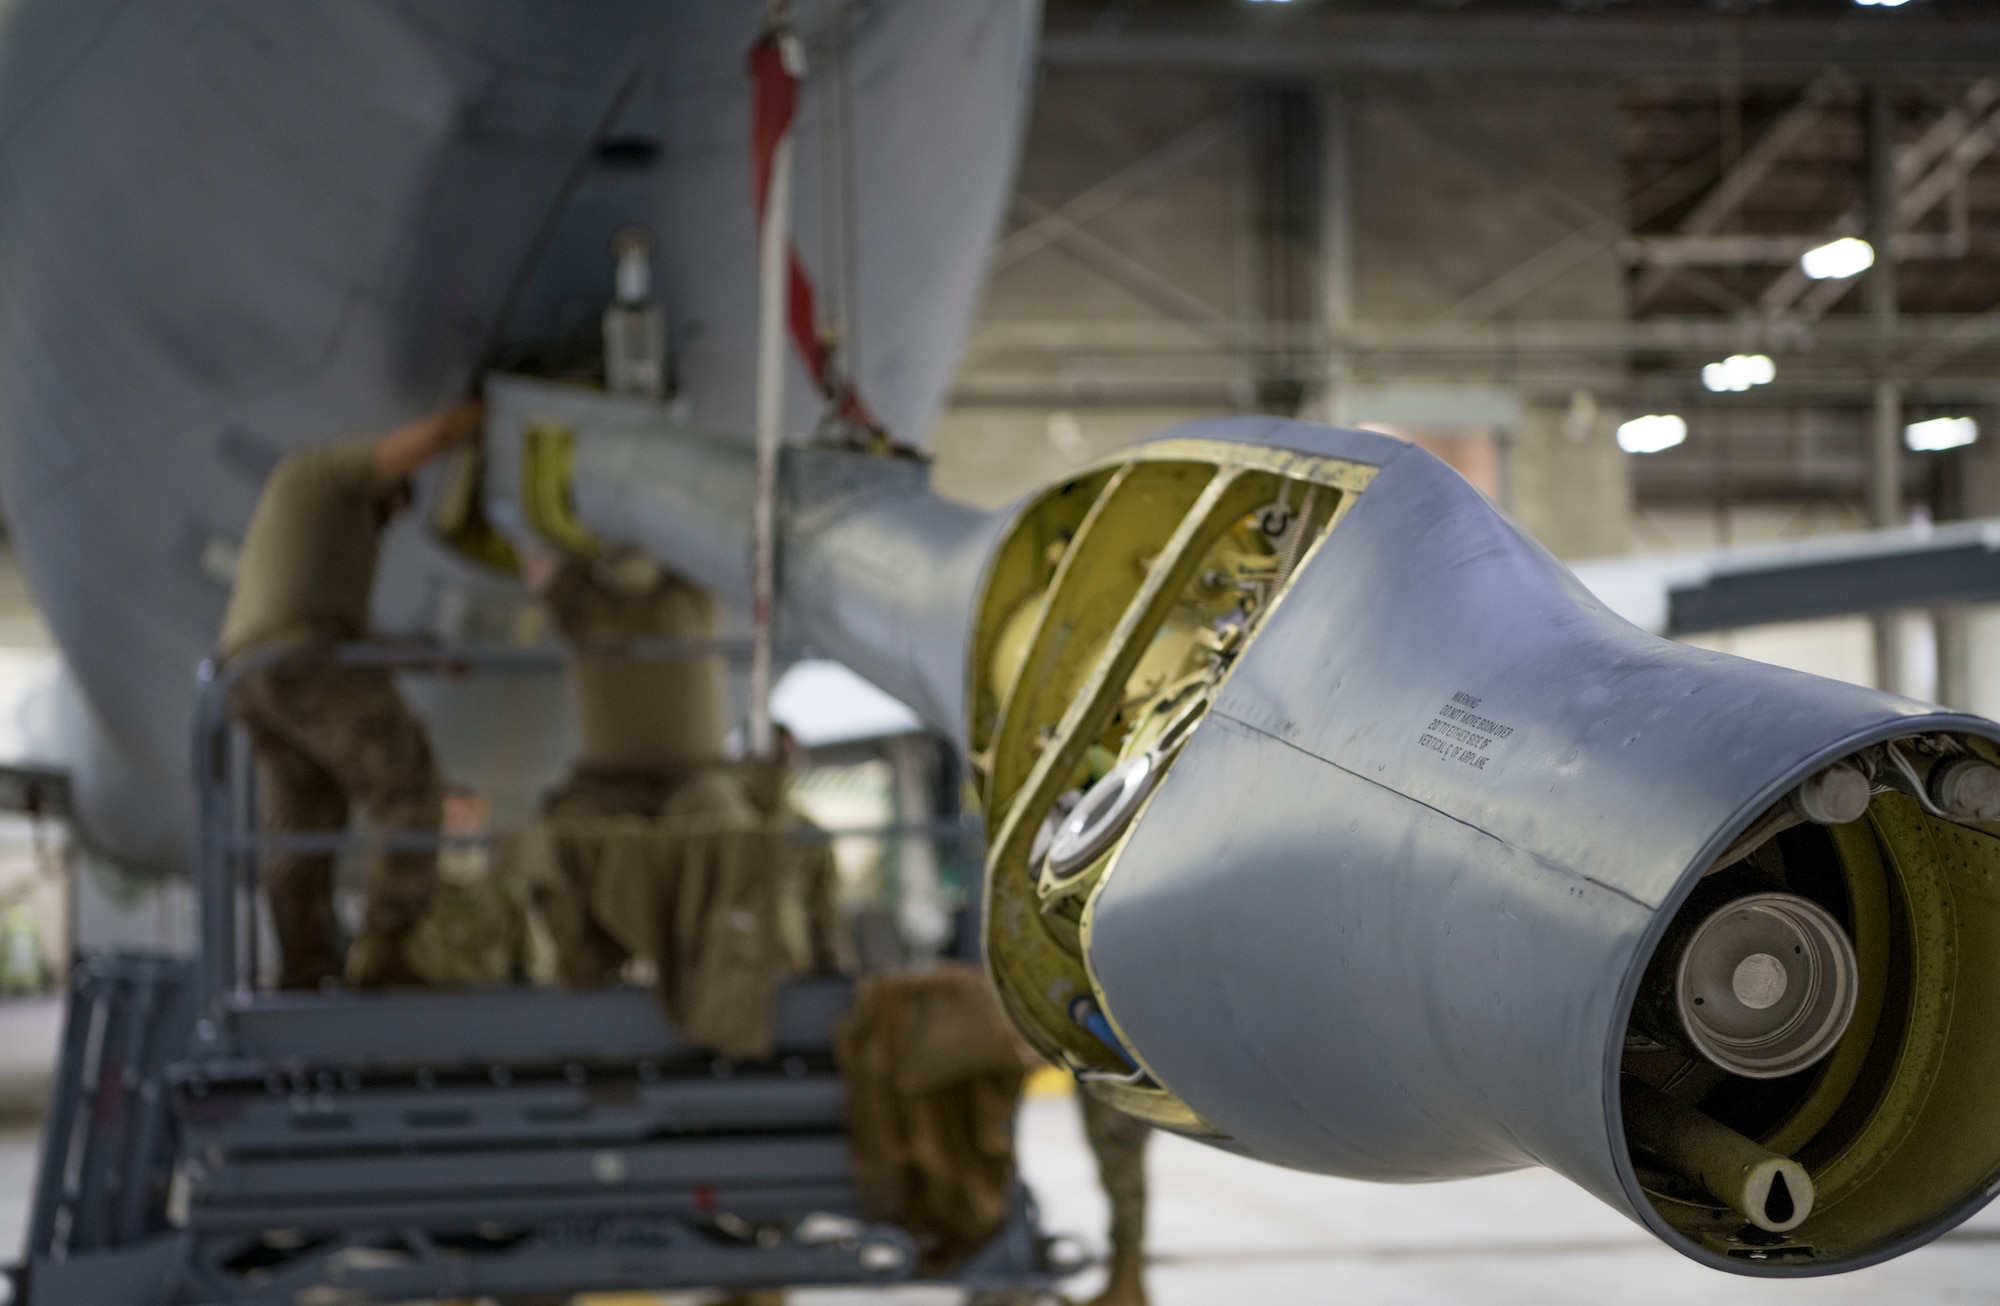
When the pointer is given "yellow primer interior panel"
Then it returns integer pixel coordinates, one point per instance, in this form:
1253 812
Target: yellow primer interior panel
1098 570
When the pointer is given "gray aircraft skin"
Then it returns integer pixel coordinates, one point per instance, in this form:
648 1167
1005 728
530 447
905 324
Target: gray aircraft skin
233 229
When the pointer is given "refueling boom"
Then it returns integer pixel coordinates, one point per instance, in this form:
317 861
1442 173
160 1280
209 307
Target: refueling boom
1334 823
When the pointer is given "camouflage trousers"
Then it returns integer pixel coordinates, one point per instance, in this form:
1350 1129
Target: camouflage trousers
1119 1143
586 953
698 876
325 736
933 1073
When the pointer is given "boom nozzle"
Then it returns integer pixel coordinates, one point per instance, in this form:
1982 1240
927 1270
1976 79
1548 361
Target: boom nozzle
1770 1191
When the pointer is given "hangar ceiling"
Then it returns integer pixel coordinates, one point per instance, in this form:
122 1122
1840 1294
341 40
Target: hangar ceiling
1197 168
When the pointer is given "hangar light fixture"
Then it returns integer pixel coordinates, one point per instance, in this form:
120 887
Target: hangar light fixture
1652 433
1739 372
1885 4
1849 256
1940 433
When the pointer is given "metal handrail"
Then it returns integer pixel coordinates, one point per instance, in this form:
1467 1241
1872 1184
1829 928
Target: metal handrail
401 841
228 845
226 870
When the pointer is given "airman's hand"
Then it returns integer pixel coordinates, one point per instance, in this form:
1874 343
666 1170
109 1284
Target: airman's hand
403 451
539 565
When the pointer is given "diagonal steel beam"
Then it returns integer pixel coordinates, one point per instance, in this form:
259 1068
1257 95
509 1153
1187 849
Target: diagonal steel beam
1778 140
1126 272
1719 296
1140 175
1730 190
1589 229
1524 279
1913 163
1944 180
1950 172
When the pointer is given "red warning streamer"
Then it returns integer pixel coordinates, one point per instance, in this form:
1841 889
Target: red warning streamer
776 101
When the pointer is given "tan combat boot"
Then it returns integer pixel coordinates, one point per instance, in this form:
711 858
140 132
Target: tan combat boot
1127 1284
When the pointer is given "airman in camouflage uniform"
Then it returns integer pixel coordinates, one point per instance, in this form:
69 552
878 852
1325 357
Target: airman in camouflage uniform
657 848
476 933
1118 1142
327 735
